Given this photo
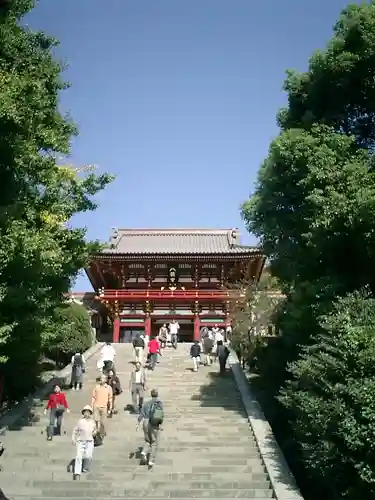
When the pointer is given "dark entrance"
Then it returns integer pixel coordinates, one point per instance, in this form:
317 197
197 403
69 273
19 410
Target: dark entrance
186 333
127 335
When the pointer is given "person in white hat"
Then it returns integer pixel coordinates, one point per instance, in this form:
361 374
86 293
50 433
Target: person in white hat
83 439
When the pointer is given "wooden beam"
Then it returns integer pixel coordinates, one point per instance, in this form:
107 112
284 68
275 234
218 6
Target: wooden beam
99 271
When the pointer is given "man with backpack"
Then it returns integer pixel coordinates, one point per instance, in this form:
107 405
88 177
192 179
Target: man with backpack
114 383
139 345
222 354
152 418
208 344
108 354
195 353
137 386
78 369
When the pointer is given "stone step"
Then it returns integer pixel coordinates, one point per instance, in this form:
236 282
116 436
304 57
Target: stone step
162 460
197 451
126 476
100 494
140 483
207 448
180 495
211 485
252 466
211 421
244 494
121 423
226 476
113 443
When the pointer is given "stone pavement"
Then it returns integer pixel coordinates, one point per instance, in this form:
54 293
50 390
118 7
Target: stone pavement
207 449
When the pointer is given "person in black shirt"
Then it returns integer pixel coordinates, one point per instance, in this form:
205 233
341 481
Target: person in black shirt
195 353
139 345
114 382
222 354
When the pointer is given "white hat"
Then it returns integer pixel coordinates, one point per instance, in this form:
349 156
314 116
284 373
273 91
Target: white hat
87 408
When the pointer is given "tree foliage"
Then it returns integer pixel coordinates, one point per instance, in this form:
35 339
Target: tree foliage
40 255
252 313
338 89
333 387
313 206
68 331
313 210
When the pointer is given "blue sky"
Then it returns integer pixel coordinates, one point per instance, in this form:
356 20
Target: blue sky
178 99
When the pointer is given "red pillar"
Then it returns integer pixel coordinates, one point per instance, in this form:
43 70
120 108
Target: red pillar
197 327
148 326
116 330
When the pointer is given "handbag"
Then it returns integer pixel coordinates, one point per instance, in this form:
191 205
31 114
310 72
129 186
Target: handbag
98 440
60 408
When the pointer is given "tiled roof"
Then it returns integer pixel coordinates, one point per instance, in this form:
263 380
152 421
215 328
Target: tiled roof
177 241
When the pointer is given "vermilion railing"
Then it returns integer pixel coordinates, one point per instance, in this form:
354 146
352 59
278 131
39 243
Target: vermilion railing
167 294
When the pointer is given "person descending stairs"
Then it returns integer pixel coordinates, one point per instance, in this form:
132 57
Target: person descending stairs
205 450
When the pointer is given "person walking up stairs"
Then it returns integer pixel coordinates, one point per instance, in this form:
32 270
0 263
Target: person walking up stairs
78 369
206 449
152 418
139 345
102 401
137 386
195 353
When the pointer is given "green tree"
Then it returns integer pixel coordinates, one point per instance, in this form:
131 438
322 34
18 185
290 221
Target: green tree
252 313
67 332
339 87
40 254
313 207
331 393
313 210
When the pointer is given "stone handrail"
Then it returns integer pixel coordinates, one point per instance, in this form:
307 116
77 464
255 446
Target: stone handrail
281 477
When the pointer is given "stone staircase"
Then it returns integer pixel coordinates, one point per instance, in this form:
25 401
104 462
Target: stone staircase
207 449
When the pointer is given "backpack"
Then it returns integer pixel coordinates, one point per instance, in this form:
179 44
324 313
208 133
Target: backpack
195 350
107 367
208 343
138 342
117 389
78 361
156 414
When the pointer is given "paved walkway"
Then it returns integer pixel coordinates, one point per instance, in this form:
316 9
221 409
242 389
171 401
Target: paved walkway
207 449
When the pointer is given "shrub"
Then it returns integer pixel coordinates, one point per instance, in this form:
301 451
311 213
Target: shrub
69 332
330 398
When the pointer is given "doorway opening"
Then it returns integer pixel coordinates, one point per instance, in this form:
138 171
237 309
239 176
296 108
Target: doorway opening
186 332
127 335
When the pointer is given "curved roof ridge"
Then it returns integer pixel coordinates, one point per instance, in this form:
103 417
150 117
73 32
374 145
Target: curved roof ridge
174 241
176 230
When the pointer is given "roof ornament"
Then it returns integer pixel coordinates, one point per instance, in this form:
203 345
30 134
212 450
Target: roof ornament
113 237
233 237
